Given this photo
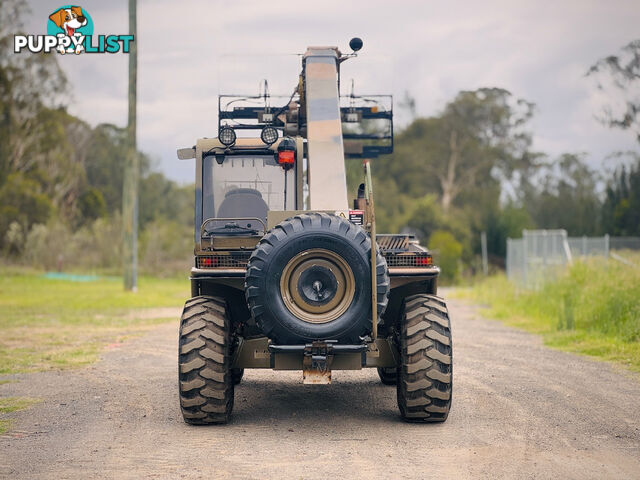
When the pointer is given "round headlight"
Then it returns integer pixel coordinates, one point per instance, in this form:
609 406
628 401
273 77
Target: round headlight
269 135
227 136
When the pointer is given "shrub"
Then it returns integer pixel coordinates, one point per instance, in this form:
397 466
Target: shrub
448 253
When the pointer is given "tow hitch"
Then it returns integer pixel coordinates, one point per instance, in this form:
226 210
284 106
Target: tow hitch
317 357
316 365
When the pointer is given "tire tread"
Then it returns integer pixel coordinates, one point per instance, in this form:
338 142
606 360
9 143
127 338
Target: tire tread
204 358
424 384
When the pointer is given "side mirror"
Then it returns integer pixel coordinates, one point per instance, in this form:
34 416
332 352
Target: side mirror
186 153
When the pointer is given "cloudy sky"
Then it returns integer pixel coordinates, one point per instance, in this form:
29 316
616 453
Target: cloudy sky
190 51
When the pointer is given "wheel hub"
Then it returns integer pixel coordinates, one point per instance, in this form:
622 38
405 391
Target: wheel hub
317 285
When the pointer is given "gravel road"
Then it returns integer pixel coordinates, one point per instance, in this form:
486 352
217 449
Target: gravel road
520 410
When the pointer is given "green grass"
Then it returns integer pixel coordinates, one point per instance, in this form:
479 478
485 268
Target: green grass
10 405
49 323
592 309
13 404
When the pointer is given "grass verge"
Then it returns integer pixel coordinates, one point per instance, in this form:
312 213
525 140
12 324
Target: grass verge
10 405
592 309
56 323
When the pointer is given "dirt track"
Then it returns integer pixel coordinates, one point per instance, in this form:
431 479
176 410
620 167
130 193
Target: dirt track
520 410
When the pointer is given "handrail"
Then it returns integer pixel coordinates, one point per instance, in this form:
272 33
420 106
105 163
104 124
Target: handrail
372 234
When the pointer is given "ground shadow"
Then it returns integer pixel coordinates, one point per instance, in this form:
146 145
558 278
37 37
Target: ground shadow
275 400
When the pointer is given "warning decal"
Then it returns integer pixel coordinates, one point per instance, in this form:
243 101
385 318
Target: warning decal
356 217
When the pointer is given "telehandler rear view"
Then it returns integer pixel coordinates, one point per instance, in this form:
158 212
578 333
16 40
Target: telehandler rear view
287 276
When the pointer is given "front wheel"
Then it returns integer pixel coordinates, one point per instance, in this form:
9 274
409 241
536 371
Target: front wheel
425 374
388 376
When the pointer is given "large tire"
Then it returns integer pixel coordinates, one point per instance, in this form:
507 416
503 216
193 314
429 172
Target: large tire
204 362
237 374
388 376
426 371
328 253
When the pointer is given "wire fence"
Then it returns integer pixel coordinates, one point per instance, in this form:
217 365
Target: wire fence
540 255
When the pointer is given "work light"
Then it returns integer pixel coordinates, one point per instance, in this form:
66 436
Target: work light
227 136
269 135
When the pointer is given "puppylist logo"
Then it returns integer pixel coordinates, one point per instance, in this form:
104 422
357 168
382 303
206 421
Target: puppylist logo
70 30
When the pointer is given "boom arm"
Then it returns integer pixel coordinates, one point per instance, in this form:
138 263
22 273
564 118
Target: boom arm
327 175
334 127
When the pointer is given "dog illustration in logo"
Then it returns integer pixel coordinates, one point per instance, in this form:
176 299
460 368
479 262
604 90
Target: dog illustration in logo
69 20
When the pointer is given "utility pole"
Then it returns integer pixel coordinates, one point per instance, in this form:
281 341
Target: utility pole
132 168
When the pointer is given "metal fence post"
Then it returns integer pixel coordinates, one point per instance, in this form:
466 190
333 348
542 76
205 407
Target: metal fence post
525 255
509 260
485 259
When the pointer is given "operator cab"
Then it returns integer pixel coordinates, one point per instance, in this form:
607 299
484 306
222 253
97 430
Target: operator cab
238 189
238 185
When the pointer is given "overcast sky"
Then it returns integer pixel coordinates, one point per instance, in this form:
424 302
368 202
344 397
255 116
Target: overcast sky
190 51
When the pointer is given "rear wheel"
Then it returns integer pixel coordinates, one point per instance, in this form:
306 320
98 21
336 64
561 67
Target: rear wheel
204 362
425 374
388 376
237 374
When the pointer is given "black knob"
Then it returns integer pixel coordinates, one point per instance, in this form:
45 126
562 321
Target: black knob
355 44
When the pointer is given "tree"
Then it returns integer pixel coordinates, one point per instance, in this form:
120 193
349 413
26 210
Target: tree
500 224
161 198
448 171
408 104
486 140
478 140
621 209
28 85
106 162
621 74
39 140
22 202
565 195
448 252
